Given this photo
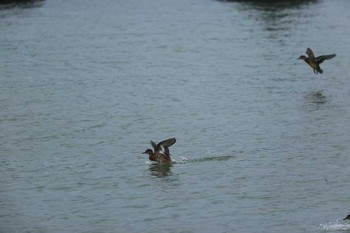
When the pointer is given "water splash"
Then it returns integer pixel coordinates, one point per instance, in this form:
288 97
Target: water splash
180 159
174 159
335 226
148 162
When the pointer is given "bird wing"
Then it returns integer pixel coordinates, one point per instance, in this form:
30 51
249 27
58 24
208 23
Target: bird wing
163 146
163 150
167 142
310 53
320 59
154 145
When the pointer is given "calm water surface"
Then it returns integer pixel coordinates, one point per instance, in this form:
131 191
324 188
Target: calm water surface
262 143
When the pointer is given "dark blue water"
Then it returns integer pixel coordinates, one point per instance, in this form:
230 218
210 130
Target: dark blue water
262 142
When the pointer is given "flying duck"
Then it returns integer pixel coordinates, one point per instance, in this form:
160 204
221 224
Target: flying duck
314 62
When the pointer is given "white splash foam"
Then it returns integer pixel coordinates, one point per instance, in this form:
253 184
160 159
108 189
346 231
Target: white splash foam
180 159
336 226
177 159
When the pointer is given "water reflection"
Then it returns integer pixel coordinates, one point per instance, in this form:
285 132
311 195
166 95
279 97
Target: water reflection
315 99
272 3
7 4
274 16
160 169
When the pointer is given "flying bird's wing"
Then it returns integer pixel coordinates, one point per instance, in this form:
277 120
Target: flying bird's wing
320 59
310 53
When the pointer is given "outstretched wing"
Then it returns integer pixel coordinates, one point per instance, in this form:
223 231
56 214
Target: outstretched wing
163 146
310 53
320 59
163 150
167 142
154 145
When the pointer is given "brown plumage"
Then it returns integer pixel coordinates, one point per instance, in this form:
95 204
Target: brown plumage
314 62
161 151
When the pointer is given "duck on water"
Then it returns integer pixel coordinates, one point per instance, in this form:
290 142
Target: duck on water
161 152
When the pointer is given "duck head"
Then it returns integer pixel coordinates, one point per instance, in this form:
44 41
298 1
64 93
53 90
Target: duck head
148 152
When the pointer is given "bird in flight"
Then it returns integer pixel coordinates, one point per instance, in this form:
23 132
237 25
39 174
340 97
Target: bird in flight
314 62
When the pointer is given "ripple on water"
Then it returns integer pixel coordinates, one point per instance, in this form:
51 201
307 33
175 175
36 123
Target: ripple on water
317 97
